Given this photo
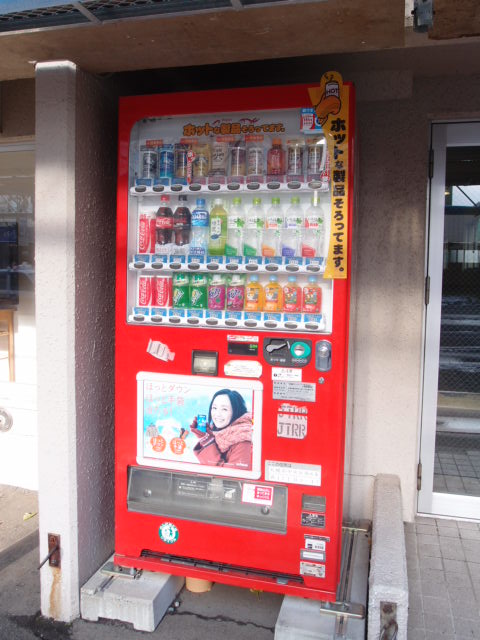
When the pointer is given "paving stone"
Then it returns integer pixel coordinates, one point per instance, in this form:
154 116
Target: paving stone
429 562
416 619
429 528
446 524
416 634
458 580
466 627
423 538
432 604
455 566
469 534
463 524
437 589
439 624
432 550
446 532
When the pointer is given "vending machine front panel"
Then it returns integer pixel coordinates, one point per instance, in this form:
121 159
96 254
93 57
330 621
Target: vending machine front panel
234 211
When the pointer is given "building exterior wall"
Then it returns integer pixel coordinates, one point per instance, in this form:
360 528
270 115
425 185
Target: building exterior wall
18 446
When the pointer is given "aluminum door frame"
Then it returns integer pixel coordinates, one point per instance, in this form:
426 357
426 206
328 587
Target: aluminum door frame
443 135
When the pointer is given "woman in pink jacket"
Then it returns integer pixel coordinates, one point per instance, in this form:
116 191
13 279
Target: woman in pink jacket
228 440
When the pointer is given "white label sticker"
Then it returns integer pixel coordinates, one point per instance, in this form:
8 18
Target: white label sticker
310 569
257 494
293 473
317 556
243 368
316 544
291 425
241 338
159 350
286 373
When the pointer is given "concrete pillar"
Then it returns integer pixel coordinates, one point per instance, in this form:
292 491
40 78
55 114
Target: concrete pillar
75 258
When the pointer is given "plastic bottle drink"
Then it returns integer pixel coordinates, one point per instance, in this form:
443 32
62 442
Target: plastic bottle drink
276 160
292 229
216 292
237 163
272 293
253 294
274 221
312 296
235 226
313 234
235 293
252 240
182 222
292 296
181 291
218 229
198 291
163 224
199 235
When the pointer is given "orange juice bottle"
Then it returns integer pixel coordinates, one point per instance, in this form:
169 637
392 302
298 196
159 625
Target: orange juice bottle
253 294
272 294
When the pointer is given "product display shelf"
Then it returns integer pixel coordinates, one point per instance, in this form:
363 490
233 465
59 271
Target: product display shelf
252 187
226 264
261 321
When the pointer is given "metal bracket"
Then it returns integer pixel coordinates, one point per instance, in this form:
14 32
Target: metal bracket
110 569
53 557
388 621
346 609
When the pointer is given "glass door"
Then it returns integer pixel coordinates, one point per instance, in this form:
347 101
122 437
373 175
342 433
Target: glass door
450 441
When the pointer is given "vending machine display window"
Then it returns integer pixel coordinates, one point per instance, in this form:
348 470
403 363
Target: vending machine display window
229 221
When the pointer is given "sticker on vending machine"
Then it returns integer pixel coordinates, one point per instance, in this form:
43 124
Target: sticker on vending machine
291 425
159 350
257 494
312 569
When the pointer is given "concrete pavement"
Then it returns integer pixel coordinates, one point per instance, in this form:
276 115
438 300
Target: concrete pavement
224 612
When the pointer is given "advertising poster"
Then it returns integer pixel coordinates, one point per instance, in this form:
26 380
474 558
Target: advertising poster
199 424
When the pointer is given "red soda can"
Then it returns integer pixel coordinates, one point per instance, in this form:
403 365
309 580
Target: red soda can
162 291
144 297
144 237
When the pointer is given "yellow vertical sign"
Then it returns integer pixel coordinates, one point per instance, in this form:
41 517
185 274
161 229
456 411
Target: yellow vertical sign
331 103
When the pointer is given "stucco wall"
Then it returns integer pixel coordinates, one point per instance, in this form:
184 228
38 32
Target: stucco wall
388 295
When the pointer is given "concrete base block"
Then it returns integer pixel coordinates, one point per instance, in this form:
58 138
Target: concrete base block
142 601
301 619
388 579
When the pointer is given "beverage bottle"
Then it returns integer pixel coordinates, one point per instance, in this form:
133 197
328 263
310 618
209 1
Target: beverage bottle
292 296
216 292
253 294
316 154
314 229
235 225
163 225
182 222
218 229
275 160
295 150
252 240
272 293
238 157
235 293
274 221
180 291
198 291
312 296
292 229
201 162
219 157
255 168
199 235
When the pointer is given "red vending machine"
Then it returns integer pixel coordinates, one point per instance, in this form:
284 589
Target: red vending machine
234 218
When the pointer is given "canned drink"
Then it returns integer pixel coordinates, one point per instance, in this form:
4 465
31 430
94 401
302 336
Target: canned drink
149 162
165 161
181 160
146 233
144 294
162 291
